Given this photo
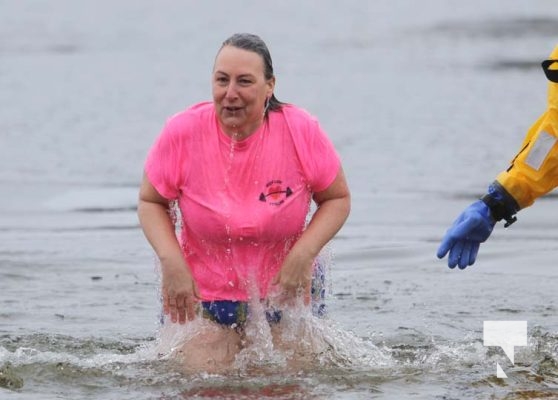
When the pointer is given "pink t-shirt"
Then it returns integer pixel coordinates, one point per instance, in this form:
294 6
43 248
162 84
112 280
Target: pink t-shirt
243 203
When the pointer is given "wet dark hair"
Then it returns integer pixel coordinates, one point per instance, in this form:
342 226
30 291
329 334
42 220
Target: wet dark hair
251 42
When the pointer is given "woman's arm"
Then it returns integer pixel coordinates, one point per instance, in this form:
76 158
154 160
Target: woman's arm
178 288
334 205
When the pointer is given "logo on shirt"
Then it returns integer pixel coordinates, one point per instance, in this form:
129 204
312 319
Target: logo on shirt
275 193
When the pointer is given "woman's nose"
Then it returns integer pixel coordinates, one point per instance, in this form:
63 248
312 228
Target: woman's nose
231 92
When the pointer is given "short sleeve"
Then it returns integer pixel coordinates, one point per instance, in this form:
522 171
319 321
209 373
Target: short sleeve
165 164
319 159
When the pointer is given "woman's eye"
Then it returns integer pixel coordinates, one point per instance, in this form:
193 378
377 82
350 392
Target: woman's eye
245 82
221 80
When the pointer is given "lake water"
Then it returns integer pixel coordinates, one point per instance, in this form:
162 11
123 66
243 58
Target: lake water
426 102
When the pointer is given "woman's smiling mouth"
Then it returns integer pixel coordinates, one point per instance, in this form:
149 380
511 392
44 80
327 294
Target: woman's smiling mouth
232 109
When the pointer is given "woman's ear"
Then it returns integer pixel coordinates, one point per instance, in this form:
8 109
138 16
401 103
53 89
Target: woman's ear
270 86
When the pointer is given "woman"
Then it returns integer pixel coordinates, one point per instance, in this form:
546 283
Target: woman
243 170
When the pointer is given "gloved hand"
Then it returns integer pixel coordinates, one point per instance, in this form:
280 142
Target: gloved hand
463 238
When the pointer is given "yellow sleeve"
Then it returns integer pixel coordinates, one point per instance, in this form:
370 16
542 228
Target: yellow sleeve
534 170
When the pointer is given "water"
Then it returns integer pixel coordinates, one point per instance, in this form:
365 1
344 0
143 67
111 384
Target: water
426 103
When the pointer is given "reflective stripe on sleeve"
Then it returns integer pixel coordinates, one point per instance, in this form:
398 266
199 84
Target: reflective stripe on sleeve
539 150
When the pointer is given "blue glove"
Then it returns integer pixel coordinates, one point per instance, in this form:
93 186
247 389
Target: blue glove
463 238
475 225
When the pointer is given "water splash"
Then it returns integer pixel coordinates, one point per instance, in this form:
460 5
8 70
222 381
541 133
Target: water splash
259 349
230 159
301 342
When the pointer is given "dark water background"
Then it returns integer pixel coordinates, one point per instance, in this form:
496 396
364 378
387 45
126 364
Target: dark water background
426 102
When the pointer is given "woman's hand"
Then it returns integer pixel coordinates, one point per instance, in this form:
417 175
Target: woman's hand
295 275
179 291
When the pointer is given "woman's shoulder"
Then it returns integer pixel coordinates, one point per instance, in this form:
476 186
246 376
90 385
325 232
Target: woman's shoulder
297 118
292 111
196 113
190 122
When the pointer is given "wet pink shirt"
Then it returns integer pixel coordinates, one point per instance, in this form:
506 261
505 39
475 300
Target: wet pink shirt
244 203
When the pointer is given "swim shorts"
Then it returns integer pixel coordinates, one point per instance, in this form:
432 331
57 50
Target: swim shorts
234 313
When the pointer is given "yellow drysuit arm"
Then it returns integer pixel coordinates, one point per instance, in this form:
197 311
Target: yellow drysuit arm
534 170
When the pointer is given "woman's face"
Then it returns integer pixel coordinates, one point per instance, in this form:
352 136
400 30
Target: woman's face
240 90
